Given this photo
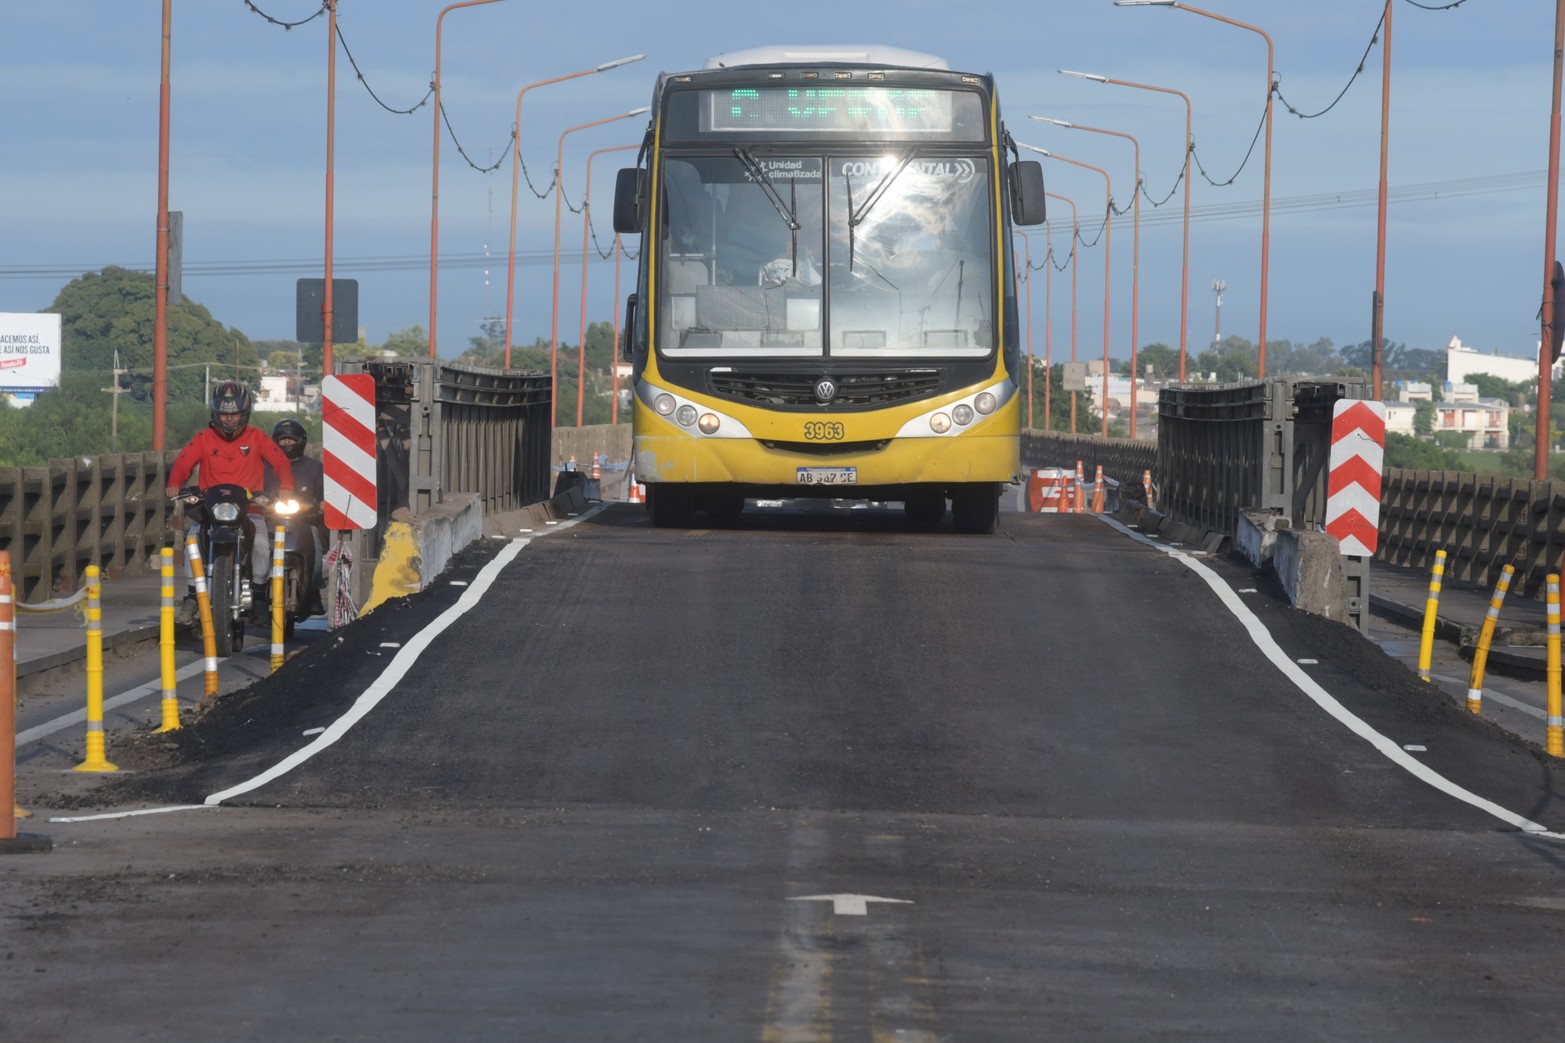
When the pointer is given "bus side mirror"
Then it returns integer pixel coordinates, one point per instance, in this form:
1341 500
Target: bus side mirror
628 332
1027 194
628 192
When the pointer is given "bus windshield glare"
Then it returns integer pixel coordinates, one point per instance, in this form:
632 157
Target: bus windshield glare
793 253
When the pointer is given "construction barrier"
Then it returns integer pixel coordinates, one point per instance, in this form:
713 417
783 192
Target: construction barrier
1426 644
204 606
1554 724
279 545
1044 486
11 843
166 645
96 759
1485 636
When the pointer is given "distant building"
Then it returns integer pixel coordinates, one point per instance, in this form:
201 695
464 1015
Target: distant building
1461 362
1413 391
1484 421
1399 417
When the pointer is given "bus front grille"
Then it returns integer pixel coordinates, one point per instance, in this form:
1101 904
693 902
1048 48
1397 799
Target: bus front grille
854 390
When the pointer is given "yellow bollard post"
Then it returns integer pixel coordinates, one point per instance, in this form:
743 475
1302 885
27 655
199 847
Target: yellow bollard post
204 606
1554 733
1486 635
96 760
1426 646
279 544
166 645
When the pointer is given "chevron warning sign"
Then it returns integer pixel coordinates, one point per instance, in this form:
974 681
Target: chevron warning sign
1358 449
348 450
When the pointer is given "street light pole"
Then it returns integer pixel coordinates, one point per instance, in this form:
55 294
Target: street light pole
1108 240
516 165
1049 362
160 290
434 179
1184 265
554 321
1540 466
327 315
1266 190
1377 320
586 227
1026 239
1135 253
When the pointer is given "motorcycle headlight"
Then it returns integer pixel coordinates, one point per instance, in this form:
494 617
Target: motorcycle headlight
287 507
225 512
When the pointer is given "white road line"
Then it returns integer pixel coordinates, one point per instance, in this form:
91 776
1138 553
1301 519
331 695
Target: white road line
369 698
395 670
129 696
1322 698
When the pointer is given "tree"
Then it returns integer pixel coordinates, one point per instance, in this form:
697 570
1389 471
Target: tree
1162 359
412 342
1423 419
1490 386
116 309
1232 359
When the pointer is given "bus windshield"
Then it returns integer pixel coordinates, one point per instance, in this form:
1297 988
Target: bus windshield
794 253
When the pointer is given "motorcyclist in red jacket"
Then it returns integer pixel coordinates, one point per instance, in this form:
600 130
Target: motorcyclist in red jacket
230 451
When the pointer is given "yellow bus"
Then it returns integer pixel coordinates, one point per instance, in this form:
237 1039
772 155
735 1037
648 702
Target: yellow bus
825 302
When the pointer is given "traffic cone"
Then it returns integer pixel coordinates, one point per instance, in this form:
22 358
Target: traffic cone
1098 492
1146 484
1081 488
597 469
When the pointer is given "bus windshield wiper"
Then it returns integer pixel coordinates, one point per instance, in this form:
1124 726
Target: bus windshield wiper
786 211
856 217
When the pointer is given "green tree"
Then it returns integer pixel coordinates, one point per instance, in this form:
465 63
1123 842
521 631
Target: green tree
1163 360
1232 359
115 309
412 342
1490 386
1423 419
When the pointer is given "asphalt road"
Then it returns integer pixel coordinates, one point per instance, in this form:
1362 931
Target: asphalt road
809 778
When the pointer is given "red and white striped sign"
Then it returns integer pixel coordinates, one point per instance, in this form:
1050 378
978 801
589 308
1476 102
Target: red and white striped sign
1358 450
348 450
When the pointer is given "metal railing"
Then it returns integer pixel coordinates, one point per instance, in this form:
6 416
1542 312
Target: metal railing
55 521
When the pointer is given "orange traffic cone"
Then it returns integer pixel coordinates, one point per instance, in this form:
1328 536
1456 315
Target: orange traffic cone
1098 492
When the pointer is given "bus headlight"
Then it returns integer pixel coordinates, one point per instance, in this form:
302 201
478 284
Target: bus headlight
940 423
962 414
686 415
709 423
664 404
985 403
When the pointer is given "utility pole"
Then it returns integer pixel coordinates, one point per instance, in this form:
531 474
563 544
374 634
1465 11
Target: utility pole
1218 286
114 409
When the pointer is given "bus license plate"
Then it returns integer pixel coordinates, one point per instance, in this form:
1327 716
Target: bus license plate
828 476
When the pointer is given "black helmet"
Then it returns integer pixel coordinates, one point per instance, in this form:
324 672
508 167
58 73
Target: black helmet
231 399
293 433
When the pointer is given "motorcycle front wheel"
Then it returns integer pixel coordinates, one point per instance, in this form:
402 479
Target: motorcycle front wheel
220 589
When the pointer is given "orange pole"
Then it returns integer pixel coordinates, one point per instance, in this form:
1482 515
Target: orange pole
1075 238
516 166
1135 259
160 292
1266 192
1108 239
554 320
586 228
434 178
331 136
1551 218
1184 266
614 402
1027 261
1048 320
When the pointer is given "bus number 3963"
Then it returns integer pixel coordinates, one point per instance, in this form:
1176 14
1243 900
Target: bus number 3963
823 431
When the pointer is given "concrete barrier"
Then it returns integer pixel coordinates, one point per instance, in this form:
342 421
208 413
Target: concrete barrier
1309 564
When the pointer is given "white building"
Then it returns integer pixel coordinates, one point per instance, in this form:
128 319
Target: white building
1461 362
1485 422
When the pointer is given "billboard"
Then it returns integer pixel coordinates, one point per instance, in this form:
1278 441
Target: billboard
29 351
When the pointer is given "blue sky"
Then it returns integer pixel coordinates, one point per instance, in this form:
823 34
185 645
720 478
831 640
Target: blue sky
1469 143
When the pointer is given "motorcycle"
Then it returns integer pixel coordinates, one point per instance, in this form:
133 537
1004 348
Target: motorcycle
226 536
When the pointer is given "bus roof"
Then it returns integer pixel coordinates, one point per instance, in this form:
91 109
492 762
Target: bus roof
796 54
